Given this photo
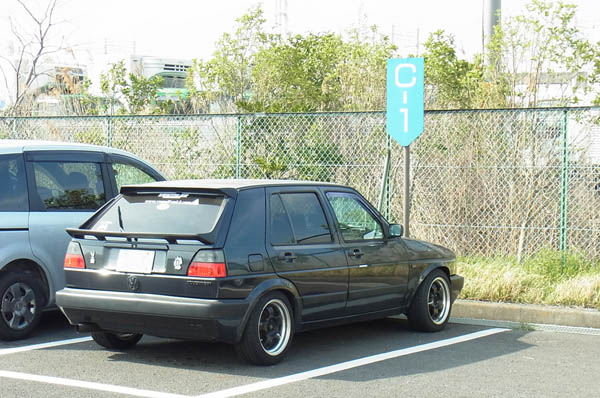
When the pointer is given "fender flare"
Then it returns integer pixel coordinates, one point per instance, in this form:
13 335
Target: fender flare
428 270
264 288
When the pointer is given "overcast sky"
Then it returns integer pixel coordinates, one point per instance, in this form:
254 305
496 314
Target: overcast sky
188 29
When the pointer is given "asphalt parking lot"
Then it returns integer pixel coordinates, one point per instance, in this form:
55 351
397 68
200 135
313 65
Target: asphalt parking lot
381 359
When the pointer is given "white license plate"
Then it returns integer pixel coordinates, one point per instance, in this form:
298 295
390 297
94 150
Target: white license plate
137 261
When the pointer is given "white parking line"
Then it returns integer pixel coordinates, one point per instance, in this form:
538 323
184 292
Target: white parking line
6 351
262 385
88 385
232 392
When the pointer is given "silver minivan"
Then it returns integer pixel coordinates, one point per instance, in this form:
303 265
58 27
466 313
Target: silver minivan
46 187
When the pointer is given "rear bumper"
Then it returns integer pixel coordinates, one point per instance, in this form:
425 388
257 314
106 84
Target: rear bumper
456 284
158 315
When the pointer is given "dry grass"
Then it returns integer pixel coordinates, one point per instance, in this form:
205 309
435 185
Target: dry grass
546 278
583 291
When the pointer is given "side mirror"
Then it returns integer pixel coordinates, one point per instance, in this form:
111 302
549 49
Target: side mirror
396 230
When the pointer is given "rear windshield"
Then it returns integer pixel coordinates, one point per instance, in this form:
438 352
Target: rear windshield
162 213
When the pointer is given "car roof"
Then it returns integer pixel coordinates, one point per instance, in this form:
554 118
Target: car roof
229 184
46 145
19 146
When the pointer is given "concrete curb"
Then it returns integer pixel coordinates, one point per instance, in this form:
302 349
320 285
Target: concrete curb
526 314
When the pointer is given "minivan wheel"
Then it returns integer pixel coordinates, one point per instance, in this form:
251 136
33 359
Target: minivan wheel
431 306
269 331
116 341
20 305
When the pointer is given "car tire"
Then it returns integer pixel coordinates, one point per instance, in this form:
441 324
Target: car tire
269 331
116 341
21 302
431 305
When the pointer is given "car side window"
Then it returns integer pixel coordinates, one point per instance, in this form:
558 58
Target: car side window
127 174
302 215
13 185
281 229
355 220
69 185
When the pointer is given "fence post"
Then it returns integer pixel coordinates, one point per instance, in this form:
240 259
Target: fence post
14 128
564 180
407 191
385 187
108 131
388 186
384 193
238 149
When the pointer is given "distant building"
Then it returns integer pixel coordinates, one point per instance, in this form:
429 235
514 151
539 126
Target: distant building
173 72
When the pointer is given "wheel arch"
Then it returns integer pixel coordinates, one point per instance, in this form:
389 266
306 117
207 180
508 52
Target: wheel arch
284 286
32 268
432 267
427 269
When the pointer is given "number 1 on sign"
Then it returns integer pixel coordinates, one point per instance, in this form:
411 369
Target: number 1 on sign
404 111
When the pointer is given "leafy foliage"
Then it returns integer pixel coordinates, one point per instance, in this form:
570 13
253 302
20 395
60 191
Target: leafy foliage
453 83
532 60
297 75
224 81
256 71
541 58
130 93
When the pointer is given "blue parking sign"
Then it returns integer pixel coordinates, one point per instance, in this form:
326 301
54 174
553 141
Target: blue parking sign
405 110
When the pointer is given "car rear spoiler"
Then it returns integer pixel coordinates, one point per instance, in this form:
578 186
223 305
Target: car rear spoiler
171 238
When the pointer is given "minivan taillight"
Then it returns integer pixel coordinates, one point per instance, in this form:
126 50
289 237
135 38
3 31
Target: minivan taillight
208 264
74 257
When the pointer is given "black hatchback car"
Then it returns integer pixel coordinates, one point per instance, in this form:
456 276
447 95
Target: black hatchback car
247 262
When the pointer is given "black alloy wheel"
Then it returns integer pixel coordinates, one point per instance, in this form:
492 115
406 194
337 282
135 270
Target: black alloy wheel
269 331
20 305
431 305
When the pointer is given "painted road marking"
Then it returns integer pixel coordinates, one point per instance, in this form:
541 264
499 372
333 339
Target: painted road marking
263 385
6 351
88 385
236 391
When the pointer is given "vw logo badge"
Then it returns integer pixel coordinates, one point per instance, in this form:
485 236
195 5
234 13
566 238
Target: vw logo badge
133 283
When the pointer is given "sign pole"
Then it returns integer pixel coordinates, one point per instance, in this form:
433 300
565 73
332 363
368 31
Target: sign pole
406 190
405 112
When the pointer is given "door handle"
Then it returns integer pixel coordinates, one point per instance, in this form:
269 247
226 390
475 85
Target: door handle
356 253
289 257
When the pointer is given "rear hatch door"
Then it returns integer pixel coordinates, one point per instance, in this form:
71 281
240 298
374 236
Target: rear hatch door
145 242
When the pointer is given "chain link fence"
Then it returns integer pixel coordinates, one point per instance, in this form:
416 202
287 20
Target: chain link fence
499 182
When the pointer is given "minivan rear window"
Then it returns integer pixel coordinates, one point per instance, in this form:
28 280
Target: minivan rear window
162 213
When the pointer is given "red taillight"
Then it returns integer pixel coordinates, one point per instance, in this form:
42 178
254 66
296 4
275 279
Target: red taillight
208 270
74 257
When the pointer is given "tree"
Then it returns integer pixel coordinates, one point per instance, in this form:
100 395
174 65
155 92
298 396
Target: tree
541 58
34 44
321 72
535 59
225 79
298 75
253 70
453 83
130 93
362 71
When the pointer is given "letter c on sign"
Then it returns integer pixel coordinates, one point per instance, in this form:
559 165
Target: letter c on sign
414 79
